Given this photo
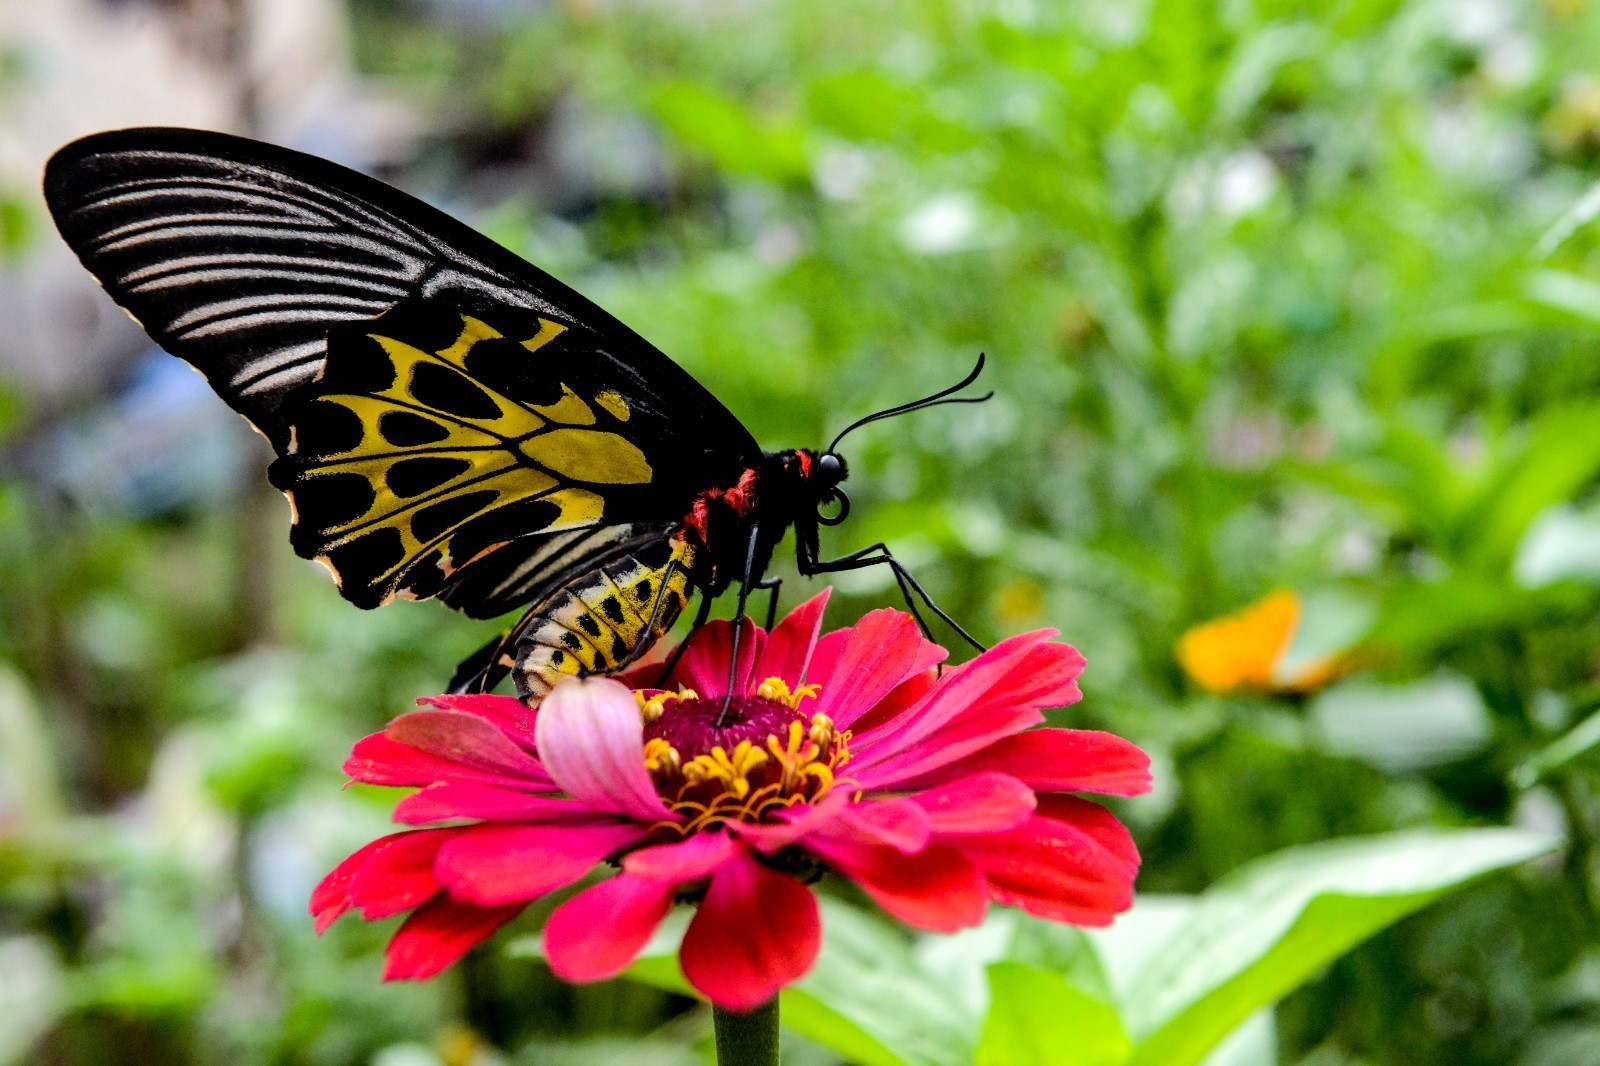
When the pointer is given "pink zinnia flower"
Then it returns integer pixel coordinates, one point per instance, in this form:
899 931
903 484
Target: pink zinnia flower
845 754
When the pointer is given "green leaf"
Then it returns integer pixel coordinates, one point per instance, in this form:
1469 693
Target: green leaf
1576 742
1037 1017
1270 925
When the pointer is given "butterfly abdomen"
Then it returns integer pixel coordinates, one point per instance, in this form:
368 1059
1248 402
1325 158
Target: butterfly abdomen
593 625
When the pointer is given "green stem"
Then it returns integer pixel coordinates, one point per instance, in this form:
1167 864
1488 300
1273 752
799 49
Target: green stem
747 1039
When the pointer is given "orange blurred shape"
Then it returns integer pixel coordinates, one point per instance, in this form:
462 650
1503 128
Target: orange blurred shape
1245 651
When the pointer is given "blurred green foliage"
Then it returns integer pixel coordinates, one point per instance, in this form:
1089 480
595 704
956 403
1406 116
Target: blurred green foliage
1275 294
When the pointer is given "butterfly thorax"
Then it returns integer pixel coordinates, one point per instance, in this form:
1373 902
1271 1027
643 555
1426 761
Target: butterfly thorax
786 489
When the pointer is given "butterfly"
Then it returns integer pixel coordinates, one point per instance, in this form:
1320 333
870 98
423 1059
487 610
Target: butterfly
449 421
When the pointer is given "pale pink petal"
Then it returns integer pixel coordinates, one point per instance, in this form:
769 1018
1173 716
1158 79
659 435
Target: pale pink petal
982 803
885 648
495 864
755 931
465 739
439 933
937 889
511 715
591 739
1057 760
690 860
600 931
788 649
449 800
400 876
704 667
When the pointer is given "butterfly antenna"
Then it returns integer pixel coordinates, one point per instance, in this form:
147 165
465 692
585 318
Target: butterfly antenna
943 396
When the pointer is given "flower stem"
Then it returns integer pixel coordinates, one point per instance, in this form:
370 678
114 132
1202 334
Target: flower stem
749 1038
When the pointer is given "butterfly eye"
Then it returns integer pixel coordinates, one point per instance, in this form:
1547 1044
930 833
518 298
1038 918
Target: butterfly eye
830 466
834 498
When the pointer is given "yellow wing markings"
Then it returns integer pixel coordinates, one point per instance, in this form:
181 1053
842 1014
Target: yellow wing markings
613 402
519 452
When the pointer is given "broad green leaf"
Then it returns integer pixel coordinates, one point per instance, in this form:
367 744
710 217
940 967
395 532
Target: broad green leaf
1400 728
1561 456
1266 928
1037 1018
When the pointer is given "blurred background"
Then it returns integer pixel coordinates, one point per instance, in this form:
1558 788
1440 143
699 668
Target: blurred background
1287 304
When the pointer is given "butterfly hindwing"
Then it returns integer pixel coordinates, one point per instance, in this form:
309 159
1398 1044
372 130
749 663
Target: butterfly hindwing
433 438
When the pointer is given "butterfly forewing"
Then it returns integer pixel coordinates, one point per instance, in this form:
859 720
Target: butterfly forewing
445 413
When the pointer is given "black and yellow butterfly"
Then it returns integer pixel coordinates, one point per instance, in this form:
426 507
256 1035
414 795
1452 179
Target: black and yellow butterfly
450 421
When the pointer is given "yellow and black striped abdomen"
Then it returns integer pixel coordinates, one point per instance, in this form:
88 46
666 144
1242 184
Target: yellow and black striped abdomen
593 625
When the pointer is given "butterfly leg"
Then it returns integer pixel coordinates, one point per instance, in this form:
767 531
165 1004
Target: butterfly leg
738 619
879 555
700 616
771 585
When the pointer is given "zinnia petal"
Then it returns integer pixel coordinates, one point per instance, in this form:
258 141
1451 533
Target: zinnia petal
1058 760
465 739
695 857
494 864
982 803
399 876
600 931
756 930
381 760
938 888
591 739
1072 862
789 645
511 715
883 649
439 933
331 897
472 799
899 823
704 666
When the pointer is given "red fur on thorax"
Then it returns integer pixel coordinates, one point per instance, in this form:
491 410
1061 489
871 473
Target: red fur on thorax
740 498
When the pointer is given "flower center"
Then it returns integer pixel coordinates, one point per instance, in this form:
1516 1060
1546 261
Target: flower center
766 754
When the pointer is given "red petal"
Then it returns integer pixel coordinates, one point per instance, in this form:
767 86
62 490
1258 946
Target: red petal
439 933
598 933
756 930
467 740
938 888
896 703
380 760
884 649
469 799
1071 862
1001 691
789 645
331 897
509 714
677 864
399 876
495 864
1061 760
896 823
704 666
983 803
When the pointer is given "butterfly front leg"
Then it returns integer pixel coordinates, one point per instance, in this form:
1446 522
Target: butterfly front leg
910 588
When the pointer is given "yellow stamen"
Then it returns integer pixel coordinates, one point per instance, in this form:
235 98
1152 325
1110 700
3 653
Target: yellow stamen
777 690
